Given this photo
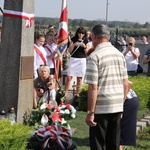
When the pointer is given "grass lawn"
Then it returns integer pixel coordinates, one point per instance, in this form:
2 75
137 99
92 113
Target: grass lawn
81 133
80 136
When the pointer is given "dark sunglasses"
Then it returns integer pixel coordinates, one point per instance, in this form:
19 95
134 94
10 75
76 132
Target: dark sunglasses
81 32
43 65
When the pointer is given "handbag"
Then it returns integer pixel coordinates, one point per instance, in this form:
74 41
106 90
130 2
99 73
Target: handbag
139 69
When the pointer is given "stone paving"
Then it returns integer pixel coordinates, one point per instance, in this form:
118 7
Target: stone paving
143 123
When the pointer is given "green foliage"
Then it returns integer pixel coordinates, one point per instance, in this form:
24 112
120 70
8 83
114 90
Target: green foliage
13 137
141 86
82 100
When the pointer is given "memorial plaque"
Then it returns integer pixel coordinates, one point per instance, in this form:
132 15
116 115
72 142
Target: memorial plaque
27 67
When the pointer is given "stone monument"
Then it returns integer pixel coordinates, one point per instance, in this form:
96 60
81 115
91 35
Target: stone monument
16 58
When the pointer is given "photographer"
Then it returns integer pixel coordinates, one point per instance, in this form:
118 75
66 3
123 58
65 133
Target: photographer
44 86
131 55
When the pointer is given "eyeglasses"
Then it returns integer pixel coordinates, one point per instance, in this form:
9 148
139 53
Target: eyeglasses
80 32
43 65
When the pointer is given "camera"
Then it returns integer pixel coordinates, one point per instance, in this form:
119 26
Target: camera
130 44
39 86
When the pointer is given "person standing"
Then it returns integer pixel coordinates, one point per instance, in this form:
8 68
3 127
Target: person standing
39 53
131 55
144 39
123 43
77 64
50 48
146 60
107 79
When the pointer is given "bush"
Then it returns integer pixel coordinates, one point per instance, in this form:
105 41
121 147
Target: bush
141 86
13 137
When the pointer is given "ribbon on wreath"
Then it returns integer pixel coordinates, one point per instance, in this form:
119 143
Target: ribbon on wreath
22 15
59 135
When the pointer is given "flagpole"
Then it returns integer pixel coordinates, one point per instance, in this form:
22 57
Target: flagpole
62 42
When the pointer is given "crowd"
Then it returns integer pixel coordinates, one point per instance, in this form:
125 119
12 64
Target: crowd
112 104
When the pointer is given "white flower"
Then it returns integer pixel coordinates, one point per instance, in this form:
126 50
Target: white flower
71 107
73 110
61 112
43 106
44 120
63 121
66 111
73 116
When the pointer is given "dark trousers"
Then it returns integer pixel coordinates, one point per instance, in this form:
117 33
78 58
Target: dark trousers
106 134
132 73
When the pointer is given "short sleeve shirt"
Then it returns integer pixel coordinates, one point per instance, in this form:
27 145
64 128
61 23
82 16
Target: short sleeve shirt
106 67
131 62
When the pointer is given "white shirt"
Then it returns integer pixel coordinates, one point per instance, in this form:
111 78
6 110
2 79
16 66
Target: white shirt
131 61
48 53
37 59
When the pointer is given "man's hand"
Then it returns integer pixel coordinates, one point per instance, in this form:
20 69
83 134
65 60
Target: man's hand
90 120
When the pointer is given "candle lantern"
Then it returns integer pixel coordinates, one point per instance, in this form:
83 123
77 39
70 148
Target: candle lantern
11 116
2 115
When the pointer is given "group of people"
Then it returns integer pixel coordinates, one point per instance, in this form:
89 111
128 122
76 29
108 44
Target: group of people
112 104
45 57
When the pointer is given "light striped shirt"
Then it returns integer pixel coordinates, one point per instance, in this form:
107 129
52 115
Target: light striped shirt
106 67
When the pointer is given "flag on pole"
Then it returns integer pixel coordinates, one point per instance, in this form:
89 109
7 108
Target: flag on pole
63 29
62 42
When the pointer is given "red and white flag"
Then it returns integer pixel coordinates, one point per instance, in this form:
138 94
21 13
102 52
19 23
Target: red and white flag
63 29
62 42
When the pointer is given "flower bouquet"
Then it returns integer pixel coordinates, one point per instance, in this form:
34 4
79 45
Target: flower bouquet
52 130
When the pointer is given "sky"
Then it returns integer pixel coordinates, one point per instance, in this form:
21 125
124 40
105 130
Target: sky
118 10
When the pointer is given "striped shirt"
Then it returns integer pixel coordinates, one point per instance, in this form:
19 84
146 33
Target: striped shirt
106 68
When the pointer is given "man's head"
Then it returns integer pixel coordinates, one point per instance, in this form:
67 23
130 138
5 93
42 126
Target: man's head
144 39
100 34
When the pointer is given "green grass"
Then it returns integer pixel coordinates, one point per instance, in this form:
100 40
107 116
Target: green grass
81 134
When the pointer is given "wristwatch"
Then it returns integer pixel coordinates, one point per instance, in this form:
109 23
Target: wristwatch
90 113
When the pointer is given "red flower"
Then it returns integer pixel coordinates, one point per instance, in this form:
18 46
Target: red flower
48 106
62 104
55 117
68 106
55 109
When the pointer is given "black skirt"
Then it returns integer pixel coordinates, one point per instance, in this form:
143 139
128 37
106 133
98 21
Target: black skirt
128 122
